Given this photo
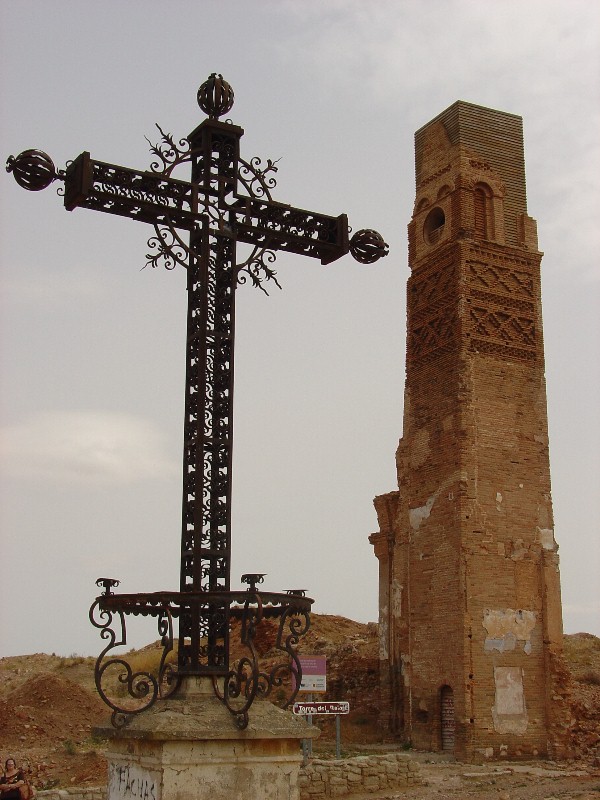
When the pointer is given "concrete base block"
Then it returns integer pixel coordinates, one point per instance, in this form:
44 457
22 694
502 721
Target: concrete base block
187 747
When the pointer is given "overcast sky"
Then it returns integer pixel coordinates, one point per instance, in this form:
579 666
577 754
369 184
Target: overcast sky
92 347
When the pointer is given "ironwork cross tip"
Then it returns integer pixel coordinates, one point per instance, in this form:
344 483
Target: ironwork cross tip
215 96
367 246
33 170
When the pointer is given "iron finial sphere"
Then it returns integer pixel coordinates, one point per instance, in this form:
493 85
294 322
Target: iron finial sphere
215 96
32 169
368 246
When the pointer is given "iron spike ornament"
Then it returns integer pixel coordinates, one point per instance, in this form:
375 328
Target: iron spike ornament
199 222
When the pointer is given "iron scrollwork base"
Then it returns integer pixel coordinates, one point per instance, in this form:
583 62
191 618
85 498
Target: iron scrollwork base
139 687
133 690
246 681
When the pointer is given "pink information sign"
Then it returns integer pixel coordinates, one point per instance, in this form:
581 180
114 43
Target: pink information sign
314 673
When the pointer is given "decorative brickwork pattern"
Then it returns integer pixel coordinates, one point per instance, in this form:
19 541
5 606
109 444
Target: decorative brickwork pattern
468 566
435 333
502 306
500 328
492 277
433 322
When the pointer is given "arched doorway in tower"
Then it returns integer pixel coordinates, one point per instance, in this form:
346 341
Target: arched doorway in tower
447 718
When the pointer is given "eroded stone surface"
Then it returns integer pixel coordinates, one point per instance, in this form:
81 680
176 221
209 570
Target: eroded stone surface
188 747
471 660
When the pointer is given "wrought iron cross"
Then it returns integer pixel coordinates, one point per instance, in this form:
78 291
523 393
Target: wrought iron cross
226 201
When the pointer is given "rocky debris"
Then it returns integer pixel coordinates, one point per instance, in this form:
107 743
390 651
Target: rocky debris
48 706
46 723
582 654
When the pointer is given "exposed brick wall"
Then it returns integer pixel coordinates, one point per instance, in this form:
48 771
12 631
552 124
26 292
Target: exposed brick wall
469 563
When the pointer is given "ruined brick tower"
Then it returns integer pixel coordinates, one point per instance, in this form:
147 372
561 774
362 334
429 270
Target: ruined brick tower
470 610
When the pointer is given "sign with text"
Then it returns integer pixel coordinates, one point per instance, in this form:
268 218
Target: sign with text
329 707
314 673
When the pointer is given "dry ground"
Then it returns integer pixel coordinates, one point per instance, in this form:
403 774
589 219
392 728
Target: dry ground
48 707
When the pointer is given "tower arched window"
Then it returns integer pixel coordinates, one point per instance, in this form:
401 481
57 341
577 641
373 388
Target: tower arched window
433 226
482 203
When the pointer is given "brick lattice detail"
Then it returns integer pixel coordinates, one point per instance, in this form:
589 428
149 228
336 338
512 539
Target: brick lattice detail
433 321
468 566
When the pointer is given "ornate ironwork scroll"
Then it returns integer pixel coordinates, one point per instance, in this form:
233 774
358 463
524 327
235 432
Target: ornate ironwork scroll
129 689
198 222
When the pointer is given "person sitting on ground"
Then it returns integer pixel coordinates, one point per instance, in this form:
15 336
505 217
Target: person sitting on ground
11 781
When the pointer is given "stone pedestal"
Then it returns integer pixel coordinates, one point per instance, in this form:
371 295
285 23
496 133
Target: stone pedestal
187 747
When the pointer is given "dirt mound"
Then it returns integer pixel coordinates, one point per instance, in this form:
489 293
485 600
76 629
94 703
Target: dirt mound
46 722
46 708
46 718
16 670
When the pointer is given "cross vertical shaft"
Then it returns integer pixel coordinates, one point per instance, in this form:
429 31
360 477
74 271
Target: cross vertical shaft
208 427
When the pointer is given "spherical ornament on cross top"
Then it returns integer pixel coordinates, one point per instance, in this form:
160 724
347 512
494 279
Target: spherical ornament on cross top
32 169
215 96
368 246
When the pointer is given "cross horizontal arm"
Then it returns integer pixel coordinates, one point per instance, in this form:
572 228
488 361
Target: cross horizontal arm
142 196
281 227
156 199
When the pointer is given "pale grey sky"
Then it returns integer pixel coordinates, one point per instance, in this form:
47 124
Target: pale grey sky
92 352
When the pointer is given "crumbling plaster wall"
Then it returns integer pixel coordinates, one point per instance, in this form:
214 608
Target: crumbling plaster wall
472 595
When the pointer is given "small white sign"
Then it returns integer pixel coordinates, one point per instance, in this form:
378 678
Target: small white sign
327 707
314 683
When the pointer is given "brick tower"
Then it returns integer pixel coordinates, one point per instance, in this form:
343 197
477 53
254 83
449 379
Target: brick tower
470 610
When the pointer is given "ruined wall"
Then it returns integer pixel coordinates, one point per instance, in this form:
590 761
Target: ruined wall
468 559
317 779
348 776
